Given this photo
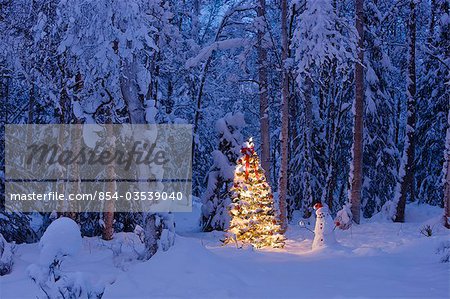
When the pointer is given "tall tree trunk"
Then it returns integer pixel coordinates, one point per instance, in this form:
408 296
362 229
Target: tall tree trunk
31 106
198 107
64 101
136 111
76 142
263 92
130 92
75 170
283 179
446 173
444 36
357 149
108 214
405 183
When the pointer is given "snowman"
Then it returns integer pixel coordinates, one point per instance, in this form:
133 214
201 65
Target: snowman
324 229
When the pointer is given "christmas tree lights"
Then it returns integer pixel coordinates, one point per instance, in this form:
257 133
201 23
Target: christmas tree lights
253 216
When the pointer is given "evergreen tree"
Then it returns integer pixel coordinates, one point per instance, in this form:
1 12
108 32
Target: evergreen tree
405 185
216 198
253 215
380 151
433 97
325 49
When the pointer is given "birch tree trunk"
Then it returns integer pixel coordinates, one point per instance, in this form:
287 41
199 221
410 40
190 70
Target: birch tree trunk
130 93
75 170
283 179
31 106
357 149
136 111
263 92
76 142
405 184
63 105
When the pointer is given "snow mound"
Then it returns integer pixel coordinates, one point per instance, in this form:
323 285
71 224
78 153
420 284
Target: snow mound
62 238
367 251
189 222
185 265
414 213
6 256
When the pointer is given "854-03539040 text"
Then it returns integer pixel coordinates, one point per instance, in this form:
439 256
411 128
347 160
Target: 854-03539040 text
77 168
98 195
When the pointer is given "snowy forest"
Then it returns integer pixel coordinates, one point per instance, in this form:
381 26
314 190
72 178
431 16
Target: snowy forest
321 144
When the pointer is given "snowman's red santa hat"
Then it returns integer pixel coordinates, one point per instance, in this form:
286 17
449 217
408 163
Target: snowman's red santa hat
318 206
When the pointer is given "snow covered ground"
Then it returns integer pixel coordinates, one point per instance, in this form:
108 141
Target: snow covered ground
377 259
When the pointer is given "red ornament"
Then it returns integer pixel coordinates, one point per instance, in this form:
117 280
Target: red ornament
248 151
338 223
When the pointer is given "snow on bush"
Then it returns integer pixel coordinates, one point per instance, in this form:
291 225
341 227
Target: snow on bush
62 239
6 256
426 230
344 217
158 233
389 209
216 197
139 231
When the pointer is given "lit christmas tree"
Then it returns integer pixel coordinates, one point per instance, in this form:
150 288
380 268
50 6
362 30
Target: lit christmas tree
253 216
